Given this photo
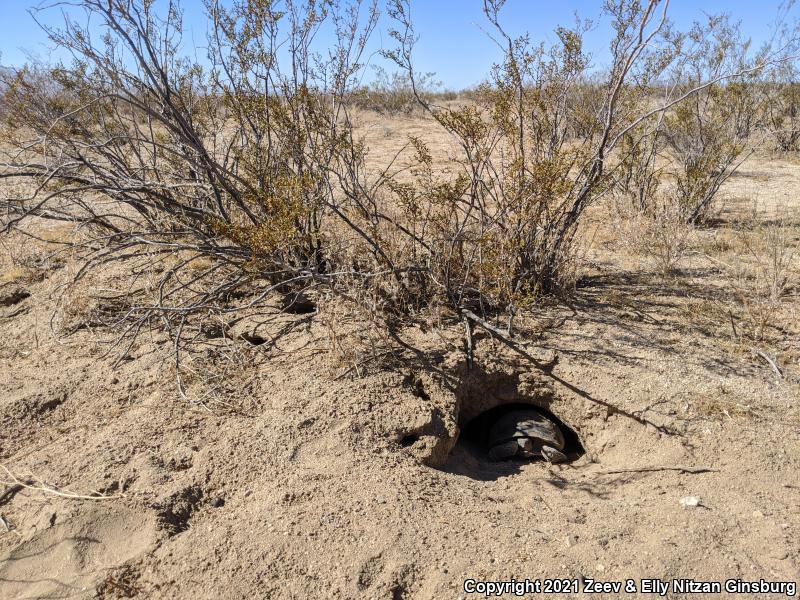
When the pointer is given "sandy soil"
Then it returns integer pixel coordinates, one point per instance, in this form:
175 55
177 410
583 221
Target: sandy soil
298 475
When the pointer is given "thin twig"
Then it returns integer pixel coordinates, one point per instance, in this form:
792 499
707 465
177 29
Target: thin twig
19 311
468 341
680 468
356 366
733 325
508 341
30 485
771 362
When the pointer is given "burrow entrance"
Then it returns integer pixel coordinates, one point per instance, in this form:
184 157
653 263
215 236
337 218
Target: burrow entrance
474 433
470 455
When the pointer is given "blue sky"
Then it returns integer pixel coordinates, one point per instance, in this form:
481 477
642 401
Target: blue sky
451 42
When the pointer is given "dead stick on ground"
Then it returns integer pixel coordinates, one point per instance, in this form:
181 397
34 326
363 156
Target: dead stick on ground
769 361
50 490
682 469
468 341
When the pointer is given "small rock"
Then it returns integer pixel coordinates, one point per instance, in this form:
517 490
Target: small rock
600 568
758 514
571 540
690 501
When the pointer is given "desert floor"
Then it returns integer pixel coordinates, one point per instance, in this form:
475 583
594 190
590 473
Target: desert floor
297 471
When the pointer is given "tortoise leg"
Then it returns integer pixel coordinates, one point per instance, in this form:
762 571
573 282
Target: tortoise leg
552 455
526 449
504 451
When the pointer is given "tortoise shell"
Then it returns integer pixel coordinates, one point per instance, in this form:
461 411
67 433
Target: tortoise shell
523 432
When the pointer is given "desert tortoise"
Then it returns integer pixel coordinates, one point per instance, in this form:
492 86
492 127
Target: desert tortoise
525 433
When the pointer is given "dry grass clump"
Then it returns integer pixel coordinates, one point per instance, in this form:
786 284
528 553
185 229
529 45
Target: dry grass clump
764 278
26 259
718 405
760 268
122 582
660 236
215 375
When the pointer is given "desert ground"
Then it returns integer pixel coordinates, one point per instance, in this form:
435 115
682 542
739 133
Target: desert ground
302 466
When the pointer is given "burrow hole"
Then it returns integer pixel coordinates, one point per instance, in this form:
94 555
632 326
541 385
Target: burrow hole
474 433
298 304
409 440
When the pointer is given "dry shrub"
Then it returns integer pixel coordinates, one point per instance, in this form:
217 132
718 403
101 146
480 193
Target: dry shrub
446 96
783 116
782 106
355 338
26 259
763 277
708 138
760 264
236 165
640 174
708 134
217 185
694 147
585 106
499 232
660 235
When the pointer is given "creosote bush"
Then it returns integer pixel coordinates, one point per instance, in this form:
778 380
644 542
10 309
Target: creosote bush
242 174
501 228
708 139
239 160
782 107
683 155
